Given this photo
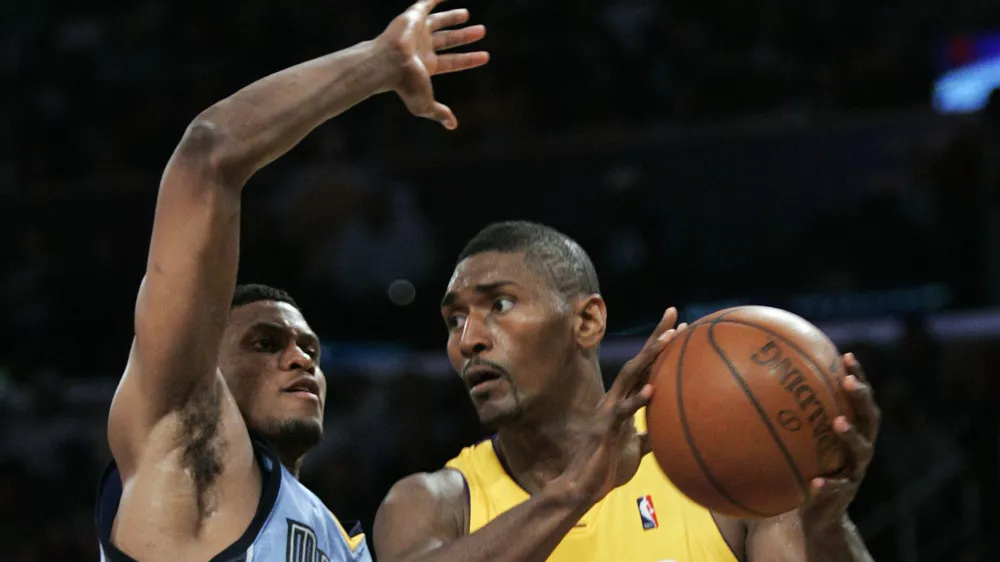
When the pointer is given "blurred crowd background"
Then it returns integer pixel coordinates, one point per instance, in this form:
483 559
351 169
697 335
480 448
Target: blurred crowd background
705 154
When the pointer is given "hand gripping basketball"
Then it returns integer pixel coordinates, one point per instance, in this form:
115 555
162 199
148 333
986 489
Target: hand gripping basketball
830 497
611 453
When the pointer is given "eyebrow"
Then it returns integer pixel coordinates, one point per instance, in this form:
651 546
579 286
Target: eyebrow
274 326
483 288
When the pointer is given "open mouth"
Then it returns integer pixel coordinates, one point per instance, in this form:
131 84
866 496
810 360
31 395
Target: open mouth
481 378
304 386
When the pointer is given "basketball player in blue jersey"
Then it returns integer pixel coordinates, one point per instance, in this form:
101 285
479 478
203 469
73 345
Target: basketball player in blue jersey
567 477
222 395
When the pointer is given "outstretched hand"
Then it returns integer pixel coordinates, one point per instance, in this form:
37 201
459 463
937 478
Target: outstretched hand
612 454
415 40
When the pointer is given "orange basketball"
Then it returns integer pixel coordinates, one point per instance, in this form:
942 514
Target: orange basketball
742 410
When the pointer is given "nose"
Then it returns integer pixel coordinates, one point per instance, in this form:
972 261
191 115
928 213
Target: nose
476 337
295 358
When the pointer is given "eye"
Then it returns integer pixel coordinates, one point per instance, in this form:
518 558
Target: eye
455 321
503 304
265 345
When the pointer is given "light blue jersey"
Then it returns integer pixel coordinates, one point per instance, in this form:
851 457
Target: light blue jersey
291 523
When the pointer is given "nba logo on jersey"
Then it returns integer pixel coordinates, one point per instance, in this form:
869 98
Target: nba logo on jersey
647 512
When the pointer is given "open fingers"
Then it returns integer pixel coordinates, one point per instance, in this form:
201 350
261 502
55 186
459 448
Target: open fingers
452 38
426 6
625 408
667 322
862 400
461 61
450 18
433 110
853 367
635 373
443 114
859 447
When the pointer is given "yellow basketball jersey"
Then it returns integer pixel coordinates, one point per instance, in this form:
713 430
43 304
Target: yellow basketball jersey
645 520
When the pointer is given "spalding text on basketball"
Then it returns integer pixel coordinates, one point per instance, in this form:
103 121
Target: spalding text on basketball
772 356
789 420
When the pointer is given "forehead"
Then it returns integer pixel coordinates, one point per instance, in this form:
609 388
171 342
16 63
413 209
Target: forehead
492 267
270 312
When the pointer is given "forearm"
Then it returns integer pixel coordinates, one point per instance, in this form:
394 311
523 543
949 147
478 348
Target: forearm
266 119
529 532
842 543
191 272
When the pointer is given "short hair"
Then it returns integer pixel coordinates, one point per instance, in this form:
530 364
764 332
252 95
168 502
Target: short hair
553 253
254 292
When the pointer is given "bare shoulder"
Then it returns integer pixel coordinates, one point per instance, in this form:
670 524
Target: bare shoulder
442 493
420 513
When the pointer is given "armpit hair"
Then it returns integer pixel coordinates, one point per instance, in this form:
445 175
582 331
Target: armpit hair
203 446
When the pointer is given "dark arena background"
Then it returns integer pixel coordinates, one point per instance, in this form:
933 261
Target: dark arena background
839 159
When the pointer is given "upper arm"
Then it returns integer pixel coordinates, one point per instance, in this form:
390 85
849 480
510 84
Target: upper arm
420 514
183 301
777 539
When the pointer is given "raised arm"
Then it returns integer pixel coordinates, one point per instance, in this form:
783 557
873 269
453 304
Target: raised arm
183 301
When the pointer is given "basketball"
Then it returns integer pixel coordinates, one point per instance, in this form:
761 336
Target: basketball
741 418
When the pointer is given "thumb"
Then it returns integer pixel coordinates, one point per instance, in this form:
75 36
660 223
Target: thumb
442 114
645 445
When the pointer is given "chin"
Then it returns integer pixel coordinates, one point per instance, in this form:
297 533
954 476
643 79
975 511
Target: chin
295 434
497 417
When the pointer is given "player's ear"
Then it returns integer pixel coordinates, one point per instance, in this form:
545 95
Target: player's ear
590 320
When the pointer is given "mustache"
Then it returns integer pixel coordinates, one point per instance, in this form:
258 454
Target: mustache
480 362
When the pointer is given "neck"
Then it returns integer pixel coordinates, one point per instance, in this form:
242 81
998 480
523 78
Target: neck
539 449
293 462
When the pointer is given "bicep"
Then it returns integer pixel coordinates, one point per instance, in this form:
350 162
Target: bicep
183 301
417 516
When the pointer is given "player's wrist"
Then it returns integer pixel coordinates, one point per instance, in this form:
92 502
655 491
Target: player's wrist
568 493
391 61
827 529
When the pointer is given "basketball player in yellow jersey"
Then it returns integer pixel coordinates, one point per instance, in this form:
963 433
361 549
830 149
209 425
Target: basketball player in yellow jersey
567 476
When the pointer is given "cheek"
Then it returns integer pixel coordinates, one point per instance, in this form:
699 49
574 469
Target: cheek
547 345
323 388
245 377
454 353
539 350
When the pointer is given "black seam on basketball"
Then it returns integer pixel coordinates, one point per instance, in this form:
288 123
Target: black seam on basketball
789 459
690 439
812 362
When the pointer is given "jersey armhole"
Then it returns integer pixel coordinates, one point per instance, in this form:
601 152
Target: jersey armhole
354 538
725 541
270 475
467 493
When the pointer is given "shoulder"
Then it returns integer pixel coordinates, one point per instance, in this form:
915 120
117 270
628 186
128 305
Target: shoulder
441 487
484 446
429 504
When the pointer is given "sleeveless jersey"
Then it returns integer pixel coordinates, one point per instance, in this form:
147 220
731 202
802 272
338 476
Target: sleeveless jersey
291 523
645 520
